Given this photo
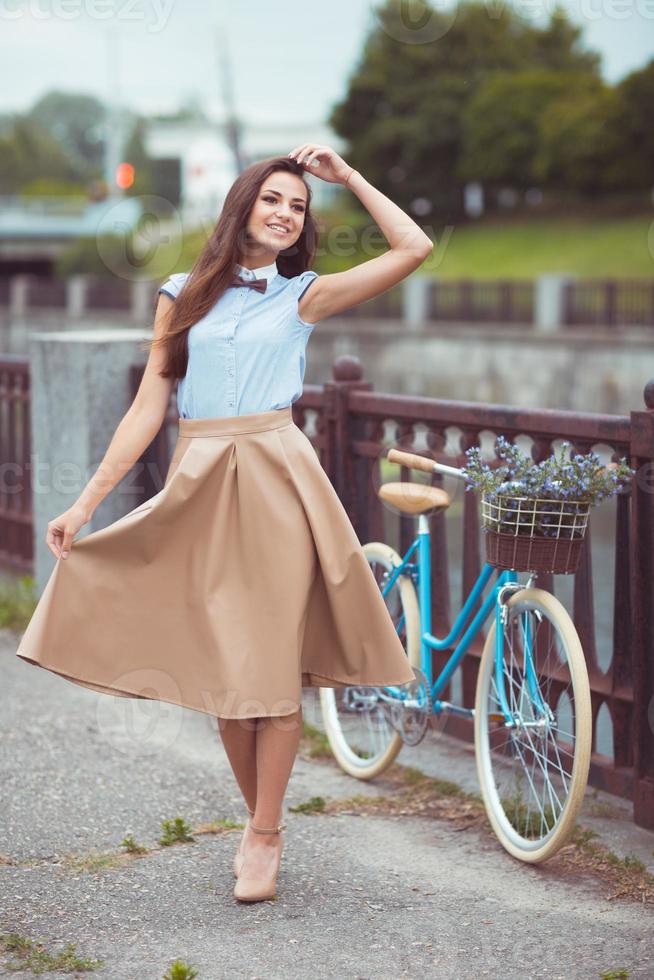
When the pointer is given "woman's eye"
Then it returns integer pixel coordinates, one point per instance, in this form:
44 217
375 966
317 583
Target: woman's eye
272 200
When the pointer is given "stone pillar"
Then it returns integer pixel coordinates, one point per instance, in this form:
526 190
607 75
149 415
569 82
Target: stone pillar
80 391
415 300
549 302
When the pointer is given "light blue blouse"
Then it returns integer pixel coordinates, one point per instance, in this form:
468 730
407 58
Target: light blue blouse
248 353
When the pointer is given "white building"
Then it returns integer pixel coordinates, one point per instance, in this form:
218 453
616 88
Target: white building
206 163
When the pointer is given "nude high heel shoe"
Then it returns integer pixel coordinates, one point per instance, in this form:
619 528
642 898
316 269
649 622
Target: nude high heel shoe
252 888
238 857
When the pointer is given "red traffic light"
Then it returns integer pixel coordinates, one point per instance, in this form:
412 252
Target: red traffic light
124 175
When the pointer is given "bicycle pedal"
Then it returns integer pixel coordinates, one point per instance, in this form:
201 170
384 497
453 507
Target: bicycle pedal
410 718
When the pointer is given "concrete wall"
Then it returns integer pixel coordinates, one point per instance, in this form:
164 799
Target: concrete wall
587 370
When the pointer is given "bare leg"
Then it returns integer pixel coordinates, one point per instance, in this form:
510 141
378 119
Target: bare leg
278 739
239 739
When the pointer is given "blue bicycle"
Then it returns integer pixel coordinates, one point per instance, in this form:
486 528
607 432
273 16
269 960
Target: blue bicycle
532 713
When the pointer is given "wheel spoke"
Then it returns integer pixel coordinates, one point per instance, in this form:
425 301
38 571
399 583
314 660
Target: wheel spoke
527 774
538 760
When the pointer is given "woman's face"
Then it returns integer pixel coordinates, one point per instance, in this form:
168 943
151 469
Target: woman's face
280 204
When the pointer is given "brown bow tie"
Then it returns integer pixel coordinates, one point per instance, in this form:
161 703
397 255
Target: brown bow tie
258 284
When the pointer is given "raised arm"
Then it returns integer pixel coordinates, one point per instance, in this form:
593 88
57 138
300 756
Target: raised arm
133 435
409 245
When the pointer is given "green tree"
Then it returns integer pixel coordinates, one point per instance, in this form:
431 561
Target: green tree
633 127
580 149
10 175
558 47
404 109
27 153
135 153
502 124
75 122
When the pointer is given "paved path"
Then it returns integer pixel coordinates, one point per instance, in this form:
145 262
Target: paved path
372 897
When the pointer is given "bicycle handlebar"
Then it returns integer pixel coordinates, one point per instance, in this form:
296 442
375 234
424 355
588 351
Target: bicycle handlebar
416 462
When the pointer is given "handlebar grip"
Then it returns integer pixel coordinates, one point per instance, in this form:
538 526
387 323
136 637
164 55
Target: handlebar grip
416 462
411 459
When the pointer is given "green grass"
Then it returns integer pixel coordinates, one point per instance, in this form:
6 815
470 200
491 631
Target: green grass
443 787
582 835
630 862
35 957
527 822
175 831
318 744
17 601
132 847
179 970
601 247
315 805
228 824
517 248
94 862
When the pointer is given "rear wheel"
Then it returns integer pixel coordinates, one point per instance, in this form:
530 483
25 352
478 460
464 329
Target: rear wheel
533 773
357 719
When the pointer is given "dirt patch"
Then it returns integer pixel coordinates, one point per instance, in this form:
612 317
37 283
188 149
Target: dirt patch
407 792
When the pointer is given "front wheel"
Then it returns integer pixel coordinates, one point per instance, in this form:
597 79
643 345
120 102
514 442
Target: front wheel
533 772
356 719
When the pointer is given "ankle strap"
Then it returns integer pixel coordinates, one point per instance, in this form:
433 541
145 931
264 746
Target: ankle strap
265 830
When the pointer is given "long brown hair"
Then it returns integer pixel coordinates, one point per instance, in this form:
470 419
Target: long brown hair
215 266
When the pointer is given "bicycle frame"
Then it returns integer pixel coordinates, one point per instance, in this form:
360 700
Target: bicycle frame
421 574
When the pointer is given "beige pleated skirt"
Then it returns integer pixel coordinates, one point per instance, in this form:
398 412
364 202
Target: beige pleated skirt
236 585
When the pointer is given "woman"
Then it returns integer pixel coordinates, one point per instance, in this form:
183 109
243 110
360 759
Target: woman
242 580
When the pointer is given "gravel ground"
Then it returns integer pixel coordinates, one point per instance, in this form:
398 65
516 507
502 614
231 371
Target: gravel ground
358 897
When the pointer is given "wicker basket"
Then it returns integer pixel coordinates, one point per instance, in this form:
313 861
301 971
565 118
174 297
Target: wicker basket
537 535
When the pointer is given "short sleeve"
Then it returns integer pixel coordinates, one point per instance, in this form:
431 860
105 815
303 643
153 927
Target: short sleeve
173 284
301 284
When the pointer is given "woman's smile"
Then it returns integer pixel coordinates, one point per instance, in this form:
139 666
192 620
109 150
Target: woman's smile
279 229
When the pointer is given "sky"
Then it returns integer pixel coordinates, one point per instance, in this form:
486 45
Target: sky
289 58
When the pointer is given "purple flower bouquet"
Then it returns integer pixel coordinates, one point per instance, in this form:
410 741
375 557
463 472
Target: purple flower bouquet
544 504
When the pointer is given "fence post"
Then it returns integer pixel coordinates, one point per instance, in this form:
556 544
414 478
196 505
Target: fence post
18 286
347 374
76 295
415 300
549 312
142 300
642 588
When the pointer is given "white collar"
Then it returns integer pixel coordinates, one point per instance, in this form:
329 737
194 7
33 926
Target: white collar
266 272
